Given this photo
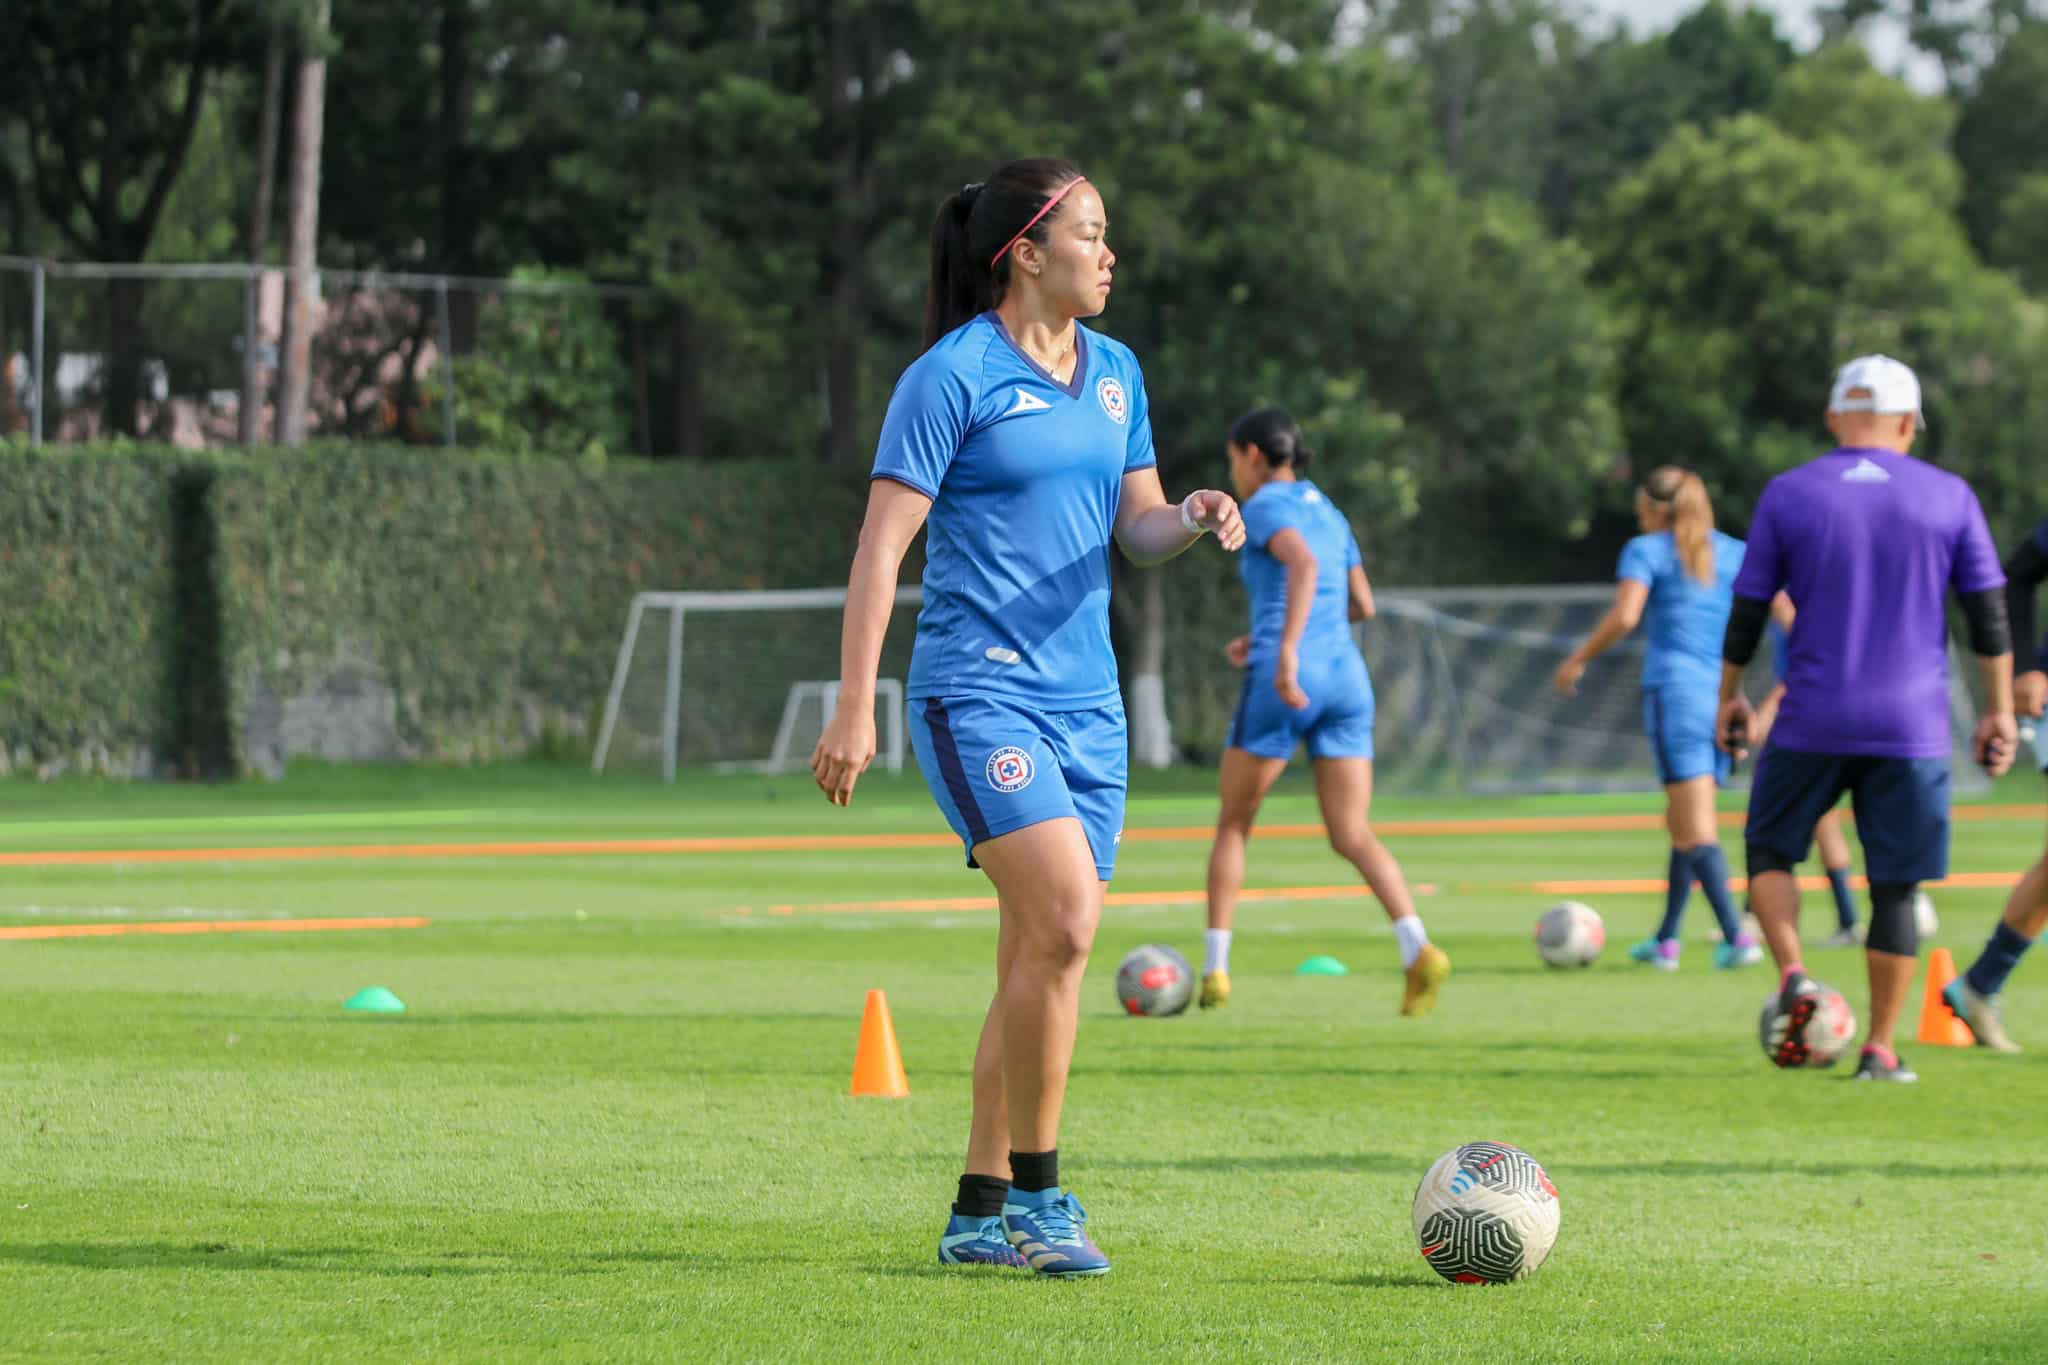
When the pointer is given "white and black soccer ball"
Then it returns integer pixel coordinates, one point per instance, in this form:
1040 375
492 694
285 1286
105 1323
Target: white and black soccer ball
1569 934
1485 1214
1154 980
1829 1033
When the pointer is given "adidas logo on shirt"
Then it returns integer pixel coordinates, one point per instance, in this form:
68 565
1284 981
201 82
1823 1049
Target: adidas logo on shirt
1866 470
1028 402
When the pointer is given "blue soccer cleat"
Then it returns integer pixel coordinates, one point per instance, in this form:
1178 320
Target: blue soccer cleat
978 1241
1045 1226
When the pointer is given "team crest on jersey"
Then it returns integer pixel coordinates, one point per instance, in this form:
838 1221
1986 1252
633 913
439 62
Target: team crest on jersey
1009 769
1110 393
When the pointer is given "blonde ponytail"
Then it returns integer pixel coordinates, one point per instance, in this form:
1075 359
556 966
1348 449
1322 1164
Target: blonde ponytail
1692 518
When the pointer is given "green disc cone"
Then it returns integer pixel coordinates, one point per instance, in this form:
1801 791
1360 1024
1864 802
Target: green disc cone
374 1000
1322 964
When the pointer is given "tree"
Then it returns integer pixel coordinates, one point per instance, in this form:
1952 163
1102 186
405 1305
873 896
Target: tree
1747 263
1998 139
1836 92
111 93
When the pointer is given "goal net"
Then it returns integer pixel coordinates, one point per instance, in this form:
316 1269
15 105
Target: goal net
741 680
1466 704
746 681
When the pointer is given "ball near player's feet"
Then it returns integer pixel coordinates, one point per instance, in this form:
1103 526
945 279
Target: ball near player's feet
1154 980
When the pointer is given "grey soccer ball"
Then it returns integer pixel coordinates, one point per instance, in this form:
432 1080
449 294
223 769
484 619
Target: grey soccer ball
1154 980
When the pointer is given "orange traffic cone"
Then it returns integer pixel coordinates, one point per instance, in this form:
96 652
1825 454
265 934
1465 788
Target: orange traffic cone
1938 1026
877 1065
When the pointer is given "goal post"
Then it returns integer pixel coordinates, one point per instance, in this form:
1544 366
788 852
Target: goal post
734 679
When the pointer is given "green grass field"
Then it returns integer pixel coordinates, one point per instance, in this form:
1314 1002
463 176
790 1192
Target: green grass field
613 1124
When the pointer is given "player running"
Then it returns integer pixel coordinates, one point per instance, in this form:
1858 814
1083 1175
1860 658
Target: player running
1973 996
1677 574
1868 541
1304 680
1024 438
1827 835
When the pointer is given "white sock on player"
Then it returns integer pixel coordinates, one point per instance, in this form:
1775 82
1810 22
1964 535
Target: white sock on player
1413 938
1215 951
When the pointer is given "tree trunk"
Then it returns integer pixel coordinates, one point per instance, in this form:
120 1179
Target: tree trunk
689 383
295 382
847 41
248 419
459 200
125 351
1151 730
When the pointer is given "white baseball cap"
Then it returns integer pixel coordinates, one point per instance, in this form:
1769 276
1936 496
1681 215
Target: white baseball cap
1885 385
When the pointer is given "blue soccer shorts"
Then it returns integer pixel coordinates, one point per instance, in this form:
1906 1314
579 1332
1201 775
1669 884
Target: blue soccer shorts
1901 805
997 766
1680 723
1337 722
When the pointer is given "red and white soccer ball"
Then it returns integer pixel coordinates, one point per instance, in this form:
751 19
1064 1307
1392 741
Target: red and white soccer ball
1569 934
1154 980
1829 1033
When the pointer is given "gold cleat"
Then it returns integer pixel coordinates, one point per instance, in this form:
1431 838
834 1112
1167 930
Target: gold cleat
1215 990
1425 978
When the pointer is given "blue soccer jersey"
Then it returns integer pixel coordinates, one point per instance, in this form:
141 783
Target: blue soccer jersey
1299 506
1685 617
1025 474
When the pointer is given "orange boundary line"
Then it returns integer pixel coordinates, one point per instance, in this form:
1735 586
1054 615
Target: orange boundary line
209 926
1614 886
817 843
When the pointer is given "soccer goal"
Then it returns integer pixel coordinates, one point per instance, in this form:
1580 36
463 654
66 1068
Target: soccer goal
742 681
1463 680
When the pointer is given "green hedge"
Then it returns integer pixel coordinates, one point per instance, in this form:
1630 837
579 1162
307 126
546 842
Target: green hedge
449 605
87 591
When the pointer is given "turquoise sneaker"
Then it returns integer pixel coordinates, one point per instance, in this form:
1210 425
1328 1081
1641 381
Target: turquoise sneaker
1661 953
978 1241
1046 1226
1744 952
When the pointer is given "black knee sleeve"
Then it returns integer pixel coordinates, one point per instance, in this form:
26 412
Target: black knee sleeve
1892 929
1762 860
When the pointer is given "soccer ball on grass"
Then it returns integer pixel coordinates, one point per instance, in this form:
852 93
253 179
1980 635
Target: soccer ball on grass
1569 934
1486 1213
1154 980
1828 1034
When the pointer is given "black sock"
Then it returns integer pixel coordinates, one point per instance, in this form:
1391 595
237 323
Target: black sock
981 1196
1035 1170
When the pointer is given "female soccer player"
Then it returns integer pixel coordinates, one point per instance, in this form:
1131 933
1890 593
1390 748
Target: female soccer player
1304 679
1023 437
1679 573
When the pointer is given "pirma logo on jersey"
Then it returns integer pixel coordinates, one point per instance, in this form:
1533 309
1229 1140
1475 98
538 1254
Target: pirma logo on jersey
1110 393
1009 769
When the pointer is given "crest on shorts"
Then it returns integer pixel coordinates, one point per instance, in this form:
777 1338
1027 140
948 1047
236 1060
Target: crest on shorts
1110 393
1009 769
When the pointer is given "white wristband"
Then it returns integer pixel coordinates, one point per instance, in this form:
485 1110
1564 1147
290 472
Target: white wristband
1188 521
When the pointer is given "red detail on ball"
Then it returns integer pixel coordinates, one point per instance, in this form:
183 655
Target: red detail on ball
1548 1188
1467 1277
1133 1007
1160 977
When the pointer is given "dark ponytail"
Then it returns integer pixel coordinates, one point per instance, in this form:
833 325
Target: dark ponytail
977 222
1276 435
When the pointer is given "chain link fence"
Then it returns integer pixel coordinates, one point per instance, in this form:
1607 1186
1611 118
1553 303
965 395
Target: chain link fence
189 355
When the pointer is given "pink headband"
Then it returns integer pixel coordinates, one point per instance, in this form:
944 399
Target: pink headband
1050 205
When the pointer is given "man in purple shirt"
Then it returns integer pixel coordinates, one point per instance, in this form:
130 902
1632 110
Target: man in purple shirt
1867 541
